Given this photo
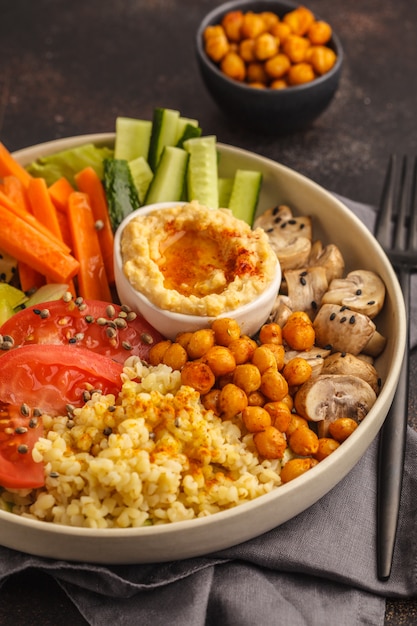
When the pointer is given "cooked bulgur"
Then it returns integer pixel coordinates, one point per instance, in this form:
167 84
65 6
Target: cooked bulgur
152 456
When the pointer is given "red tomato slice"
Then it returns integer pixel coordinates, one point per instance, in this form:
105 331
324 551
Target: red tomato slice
18 435
91 324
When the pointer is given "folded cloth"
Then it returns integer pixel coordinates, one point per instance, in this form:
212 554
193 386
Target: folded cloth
317 569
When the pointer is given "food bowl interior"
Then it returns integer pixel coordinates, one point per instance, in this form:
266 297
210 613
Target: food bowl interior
267 110
332 222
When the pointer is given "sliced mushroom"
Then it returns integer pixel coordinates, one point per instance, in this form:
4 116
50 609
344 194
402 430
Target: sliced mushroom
281 310
349 364
375 345
328 257
306 288
341 330
290 237
316 357
330 396
362 291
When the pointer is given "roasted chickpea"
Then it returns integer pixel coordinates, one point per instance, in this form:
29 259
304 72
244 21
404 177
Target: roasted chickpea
226 330
280 415
270 19
296 421
256 73
295 47
266 46
319 33
342 428
216 47
279 83
256 398
215 30
264 358
299 20
224 380
296 467
247 377
183 338
278 352
281 31
242 349
232 23
298 333
197 375
210 401
257 85
220 360
233 66
297 371
175 356
156 353
271 333
304 441
277 66
289 401
200 342
322 59
273 385
247 50
327 445
252 25
300 73
232 401
256 419
270 443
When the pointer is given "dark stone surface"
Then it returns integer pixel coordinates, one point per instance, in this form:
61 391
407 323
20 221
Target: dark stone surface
70 67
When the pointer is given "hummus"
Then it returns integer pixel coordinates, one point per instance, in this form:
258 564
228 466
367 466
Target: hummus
194 260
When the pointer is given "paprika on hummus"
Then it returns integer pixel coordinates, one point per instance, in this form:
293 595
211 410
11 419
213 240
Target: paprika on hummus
195 260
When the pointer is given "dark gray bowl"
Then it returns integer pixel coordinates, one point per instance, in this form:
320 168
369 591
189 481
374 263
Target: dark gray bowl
267 110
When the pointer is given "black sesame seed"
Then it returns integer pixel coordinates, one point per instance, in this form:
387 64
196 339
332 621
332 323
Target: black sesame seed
304 273
332 316
107 431
72 340
328 346
314 304
379 382
343 354
270 230
343 308
359 292
343 319
352 319
275 210
292 222
302 225
303 280
23 448
37 311
111 408
53 475
371 302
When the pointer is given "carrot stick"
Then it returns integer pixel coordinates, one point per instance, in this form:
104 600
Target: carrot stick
29 278
42 206
89 182
9 165
41 252
31 220
59 192
92 279
14 190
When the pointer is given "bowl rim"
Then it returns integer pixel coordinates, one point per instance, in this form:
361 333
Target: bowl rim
213 17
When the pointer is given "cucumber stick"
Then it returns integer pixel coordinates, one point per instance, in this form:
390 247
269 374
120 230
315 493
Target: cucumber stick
132 138
225 186
164 133
182 124
142 176
121 193
169 179
245 194
202 173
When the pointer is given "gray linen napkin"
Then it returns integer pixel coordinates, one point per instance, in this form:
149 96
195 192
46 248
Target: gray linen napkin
317 569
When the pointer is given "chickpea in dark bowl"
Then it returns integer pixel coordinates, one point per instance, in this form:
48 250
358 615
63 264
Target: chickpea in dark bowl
273 65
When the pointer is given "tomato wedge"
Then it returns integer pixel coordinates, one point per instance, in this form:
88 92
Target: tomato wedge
18 435
51 377
104 328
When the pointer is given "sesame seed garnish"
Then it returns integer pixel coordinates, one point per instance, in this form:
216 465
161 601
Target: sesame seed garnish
53 475
111 408
67 297
332 316
371 302
352 319
344 308
78 301
314 304
44 314
328 346
270 230
303 280
107 431
275 210
359 292
23 448
343 319
72 340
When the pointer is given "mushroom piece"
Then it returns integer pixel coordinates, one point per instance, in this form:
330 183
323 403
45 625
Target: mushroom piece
341 330
290 237
316 357
306 289
361 290
349 364
330 396
281 310
328 257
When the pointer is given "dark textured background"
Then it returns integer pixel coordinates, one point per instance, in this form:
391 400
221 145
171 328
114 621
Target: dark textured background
70 67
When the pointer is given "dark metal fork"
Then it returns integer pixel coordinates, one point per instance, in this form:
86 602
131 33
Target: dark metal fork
396 231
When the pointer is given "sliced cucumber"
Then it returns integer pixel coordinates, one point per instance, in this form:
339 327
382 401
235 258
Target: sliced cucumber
14 296
168 182
164 133
142 176
225 186
245 194
202 174
182 124
132 138
189 131
121 193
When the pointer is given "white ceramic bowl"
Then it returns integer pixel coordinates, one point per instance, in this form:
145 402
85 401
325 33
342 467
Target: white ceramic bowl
332 222
250 316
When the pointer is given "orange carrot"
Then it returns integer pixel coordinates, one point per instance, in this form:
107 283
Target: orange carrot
59 192
89 182
41 252
29 278
14 190
42 206
9 165
92 279
31 220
